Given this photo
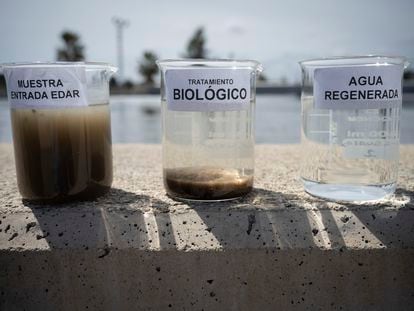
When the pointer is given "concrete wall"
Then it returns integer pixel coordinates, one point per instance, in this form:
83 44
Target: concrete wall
276 249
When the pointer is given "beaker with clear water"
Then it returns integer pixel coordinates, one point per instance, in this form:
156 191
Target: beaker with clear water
351 109
208 127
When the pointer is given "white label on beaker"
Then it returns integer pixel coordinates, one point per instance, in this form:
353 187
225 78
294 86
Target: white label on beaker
43 87
207 89
357 87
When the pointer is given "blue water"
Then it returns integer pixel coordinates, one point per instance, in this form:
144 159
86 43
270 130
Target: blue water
136 119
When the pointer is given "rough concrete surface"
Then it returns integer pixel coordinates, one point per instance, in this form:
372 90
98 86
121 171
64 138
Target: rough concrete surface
276 249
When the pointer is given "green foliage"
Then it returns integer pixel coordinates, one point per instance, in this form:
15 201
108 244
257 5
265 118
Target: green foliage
2 80
72 50
196 45
409 75
262 77
128 84
2 83
148 67
113 83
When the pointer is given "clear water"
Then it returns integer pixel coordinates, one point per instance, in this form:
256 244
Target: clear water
208 138
351 155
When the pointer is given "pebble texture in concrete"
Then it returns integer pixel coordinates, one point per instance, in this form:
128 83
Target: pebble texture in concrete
276 249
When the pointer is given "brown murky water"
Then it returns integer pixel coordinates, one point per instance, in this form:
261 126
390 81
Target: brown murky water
63 154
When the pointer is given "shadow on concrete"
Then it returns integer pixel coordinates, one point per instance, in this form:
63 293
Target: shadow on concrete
388 224
116 220
165 231
382 221
263 218
280 220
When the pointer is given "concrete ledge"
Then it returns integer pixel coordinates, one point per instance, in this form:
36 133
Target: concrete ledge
276 249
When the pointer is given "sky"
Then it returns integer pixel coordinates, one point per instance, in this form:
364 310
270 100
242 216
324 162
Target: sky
277 33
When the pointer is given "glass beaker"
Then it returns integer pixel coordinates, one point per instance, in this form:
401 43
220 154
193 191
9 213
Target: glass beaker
208 127
61 129
351 110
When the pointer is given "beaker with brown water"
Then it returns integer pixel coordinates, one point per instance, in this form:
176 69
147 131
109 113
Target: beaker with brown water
61 129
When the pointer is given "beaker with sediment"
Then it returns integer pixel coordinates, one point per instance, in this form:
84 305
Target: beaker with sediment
208 127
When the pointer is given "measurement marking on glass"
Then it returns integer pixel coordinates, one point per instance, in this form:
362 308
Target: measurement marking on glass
318 115
320 132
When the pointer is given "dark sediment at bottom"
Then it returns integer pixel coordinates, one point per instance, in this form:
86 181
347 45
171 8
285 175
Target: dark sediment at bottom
206 183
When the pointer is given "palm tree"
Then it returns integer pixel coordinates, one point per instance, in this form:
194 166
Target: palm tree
147 67
72 50
196 45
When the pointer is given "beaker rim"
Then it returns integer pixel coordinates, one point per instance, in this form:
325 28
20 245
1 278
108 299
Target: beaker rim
355 60
211 62
86 65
